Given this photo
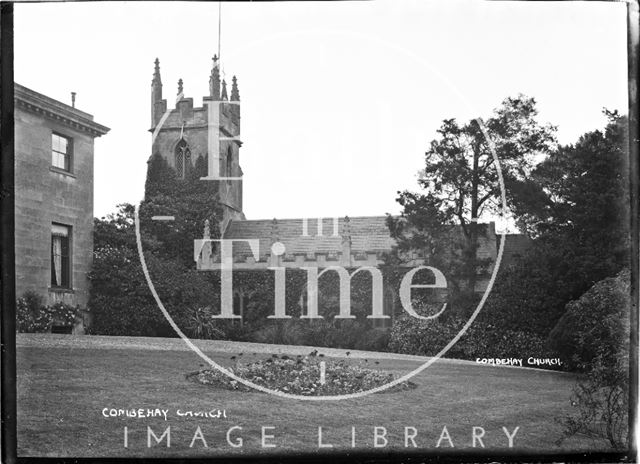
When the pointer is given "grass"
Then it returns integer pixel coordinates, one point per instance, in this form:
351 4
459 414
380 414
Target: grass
63 389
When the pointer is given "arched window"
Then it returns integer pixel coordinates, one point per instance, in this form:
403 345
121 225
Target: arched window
182 158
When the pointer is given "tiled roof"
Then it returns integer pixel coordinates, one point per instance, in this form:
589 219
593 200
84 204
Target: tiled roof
368 234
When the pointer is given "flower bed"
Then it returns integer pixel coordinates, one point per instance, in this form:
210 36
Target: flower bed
301 376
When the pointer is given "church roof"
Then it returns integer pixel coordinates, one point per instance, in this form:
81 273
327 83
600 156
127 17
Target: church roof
368 234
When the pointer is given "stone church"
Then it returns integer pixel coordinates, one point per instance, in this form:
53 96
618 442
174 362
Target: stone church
183 133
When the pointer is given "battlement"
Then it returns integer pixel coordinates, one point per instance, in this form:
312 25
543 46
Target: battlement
184 133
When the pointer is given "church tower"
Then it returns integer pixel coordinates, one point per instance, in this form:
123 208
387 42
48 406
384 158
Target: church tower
184 133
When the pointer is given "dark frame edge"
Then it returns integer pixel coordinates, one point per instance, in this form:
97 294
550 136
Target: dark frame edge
633 44
7 237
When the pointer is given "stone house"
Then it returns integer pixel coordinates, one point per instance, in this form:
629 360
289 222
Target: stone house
54 147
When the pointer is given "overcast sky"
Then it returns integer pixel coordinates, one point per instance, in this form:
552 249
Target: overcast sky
339 99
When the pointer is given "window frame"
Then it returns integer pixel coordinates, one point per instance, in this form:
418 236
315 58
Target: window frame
68 156
182 158
66 270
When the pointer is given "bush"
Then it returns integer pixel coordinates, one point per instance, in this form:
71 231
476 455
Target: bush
122 303
595 324
594 335
373 340
347 334
482 340
603 403
198 323
63 314
414 336
33 316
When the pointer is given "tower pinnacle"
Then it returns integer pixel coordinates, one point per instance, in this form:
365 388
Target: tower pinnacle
156 94
223 96
214 79
156 73
180 89
235 95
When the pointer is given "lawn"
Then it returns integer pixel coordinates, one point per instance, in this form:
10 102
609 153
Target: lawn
65 382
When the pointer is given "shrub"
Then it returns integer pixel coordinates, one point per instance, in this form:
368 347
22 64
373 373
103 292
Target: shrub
289 332
423 337
594 324
373 340
33 316
594 334
602 402
482 340
348 334
63 314
198 323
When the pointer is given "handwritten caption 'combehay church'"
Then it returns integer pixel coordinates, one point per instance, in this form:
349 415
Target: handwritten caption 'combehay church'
518 361
143 413
374 437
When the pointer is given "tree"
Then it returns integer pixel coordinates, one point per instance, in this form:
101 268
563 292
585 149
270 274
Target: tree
575 206
576 203
460 182
120 298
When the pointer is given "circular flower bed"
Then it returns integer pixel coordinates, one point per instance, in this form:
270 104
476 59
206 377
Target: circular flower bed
301 376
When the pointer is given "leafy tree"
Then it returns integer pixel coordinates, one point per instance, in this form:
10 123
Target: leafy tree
460 184
120 298
575 206
529 294
576 201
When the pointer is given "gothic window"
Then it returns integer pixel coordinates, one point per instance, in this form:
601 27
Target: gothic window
182 158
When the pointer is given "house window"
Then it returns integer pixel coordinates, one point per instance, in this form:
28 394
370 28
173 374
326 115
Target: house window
61 151
60 256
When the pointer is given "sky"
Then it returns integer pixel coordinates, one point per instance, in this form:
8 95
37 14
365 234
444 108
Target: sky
339 100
